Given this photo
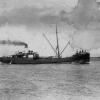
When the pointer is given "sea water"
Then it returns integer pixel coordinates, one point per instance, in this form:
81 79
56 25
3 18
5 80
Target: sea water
50 82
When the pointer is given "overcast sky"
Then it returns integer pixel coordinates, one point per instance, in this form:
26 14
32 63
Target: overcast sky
26 20
32 12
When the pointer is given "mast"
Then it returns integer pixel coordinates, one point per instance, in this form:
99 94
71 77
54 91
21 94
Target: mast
57 48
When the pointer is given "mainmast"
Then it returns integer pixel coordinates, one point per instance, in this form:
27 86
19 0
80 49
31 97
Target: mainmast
57 51
57 48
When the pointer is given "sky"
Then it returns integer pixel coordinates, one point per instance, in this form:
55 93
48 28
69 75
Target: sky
27 20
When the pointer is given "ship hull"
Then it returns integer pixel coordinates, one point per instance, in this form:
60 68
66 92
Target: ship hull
42 61
10 60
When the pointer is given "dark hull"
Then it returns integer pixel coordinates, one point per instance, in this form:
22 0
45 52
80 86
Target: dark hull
72 59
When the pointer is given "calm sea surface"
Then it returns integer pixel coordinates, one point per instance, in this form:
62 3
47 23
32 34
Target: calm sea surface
50 82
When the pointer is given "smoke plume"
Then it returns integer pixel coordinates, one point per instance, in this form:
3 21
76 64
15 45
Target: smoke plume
16 43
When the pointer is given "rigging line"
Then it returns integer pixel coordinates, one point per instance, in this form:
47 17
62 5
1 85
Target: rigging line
64 48
50 43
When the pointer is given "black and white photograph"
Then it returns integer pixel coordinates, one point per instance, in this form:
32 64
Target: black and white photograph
49 49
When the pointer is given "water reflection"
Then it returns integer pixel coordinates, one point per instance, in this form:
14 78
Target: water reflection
79 75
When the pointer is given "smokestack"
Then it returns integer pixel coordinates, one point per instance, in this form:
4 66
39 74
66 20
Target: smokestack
17 43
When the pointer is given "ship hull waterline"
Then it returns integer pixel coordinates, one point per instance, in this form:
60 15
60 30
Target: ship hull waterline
42 60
